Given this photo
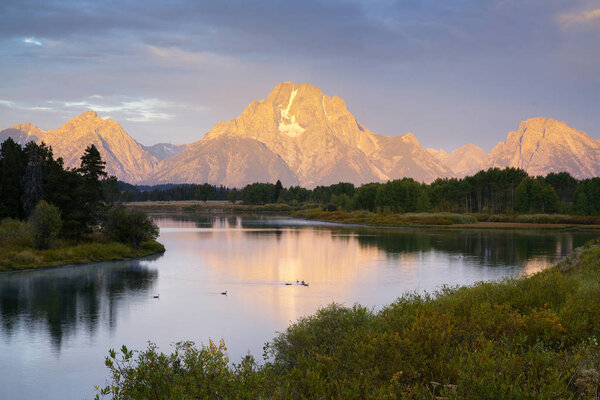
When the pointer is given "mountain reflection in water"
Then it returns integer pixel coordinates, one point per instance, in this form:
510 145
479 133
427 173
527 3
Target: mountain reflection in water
56 325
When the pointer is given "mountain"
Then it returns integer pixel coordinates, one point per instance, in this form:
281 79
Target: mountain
301 136
125 158
164 150
544 145
401 156
316 137
23 133
464 161
228 161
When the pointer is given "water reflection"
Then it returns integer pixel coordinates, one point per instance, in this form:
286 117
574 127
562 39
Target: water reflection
56 325
64 300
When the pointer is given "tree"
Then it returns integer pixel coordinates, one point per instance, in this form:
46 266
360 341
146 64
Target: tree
233 195
129 227
12 168
45 224
92 170
535 196
364 198
278 190
32 181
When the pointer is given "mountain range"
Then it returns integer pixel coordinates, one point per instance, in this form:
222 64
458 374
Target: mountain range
301 136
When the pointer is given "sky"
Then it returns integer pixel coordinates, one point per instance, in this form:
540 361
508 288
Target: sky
450 71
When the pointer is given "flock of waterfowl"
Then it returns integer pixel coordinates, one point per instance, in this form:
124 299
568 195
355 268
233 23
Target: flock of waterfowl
298 283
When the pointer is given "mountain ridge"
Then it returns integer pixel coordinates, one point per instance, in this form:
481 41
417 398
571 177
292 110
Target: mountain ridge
300 135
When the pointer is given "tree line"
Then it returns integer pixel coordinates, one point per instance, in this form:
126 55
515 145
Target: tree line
66 202
492 191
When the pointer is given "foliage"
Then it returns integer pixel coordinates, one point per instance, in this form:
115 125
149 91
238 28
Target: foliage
391 219
259 193
45 224
15 257
12 168
131 227
493 191
14 232
529 337
535 196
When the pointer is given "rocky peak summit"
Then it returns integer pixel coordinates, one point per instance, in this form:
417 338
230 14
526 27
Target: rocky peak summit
544 145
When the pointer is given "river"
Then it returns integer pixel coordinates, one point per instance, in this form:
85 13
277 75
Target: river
56 325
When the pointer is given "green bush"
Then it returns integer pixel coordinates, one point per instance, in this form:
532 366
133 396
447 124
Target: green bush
131 227
45 224
15 232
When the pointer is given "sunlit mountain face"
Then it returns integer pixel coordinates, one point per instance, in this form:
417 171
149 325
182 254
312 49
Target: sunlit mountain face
301 136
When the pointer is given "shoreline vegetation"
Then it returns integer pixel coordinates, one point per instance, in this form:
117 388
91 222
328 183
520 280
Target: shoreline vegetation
534 336
18 258
51 215
366 218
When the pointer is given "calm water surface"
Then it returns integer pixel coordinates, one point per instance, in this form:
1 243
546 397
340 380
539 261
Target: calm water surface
56 325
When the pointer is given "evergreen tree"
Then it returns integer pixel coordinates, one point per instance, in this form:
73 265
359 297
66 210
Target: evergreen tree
33 178
93 171
12 168
278 190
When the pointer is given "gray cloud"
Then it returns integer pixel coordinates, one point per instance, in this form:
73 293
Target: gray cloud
449 71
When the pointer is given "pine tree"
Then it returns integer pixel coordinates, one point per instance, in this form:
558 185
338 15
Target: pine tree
92 170
33 178
12 168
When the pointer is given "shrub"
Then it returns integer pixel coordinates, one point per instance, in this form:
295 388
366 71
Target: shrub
15 232
131 227
45 224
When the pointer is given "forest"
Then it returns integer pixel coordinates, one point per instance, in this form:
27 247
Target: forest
52 215
494 191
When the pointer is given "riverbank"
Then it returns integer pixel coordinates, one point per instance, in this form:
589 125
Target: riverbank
528 337
209 207
450 220
366 218
13 258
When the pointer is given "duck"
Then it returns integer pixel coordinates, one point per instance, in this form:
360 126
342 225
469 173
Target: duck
224 293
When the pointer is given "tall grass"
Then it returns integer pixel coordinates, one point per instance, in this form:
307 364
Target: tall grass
390 219
19 257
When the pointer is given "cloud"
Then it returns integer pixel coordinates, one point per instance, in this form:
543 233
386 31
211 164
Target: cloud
34 41
585 17
135 110
177 56
7 103
13 105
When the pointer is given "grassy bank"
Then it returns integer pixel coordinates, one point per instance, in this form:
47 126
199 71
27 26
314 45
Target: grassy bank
463 221
374 219
210 207
16 257
521 338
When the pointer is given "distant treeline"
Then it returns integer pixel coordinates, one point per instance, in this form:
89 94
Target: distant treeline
495 191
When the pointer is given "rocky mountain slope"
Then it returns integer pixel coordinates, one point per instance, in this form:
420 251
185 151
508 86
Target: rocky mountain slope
544 145
125 158
162 151
318 139
301 136
228 161
463 161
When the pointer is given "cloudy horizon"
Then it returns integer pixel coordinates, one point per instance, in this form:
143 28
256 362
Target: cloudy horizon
451 72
